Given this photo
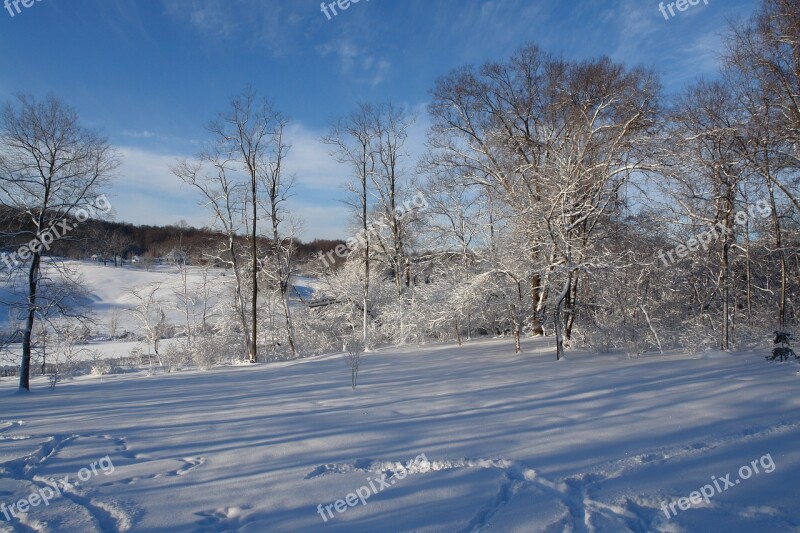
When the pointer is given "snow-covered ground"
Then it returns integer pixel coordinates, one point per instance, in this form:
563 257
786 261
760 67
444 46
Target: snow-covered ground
515 443
109 297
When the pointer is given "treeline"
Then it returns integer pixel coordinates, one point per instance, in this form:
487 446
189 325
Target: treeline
124 241
585 204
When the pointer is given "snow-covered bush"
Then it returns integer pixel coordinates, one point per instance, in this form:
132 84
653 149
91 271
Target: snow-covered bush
316 334
99 365
174 356
206 351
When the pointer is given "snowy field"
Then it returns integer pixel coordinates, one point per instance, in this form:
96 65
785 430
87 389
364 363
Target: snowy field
513 444
109 287
109 298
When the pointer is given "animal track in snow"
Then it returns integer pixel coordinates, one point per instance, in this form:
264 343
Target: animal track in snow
191 464
223 519
581 511
104 515
412 467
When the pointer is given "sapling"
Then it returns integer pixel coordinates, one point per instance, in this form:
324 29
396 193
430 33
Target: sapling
782 350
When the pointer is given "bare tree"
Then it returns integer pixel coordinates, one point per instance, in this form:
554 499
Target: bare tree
113 324
766 51
389 130
223 196
50 166
355 349
278 266
555 141
247 140
180 258
67 351
149 311
763 67
456 217
352 139
116 244
707 141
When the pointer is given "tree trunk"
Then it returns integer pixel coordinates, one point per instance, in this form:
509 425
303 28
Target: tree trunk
365 318
186 305
724 281
254 250
240 299
559 316
572 298
782 257
27 334
287 313
536 317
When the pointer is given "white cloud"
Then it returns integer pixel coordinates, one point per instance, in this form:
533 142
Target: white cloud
139 134
321 222
146 171
147 192
309 160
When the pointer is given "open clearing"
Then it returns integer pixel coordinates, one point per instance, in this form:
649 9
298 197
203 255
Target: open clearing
515 443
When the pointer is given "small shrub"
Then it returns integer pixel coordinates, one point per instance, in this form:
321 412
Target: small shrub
782 350
174 356
99 365
204 351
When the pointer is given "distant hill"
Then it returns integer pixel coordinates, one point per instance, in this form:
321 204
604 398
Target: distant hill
107 239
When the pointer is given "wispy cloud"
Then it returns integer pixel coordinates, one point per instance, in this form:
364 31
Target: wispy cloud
139 134
212 18
359 64
277 26
148 193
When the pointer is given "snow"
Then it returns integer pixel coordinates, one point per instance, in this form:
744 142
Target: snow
514 443
109 295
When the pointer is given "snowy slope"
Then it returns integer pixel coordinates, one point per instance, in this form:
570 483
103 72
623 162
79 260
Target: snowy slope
515 443
108 289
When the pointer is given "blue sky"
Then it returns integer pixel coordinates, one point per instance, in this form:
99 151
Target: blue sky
150 73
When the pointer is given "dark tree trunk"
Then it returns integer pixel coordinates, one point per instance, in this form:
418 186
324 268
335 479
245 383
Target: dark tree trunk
25 364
